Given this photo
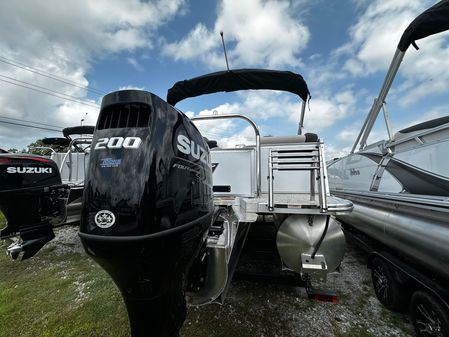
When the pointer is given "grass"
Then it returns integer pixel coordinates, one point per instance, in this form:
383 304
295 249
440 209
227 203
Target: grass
70 296
58 295
63 293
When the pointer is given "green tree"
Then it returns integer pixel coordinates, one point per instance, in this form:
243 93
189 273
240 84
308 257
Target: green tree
38 147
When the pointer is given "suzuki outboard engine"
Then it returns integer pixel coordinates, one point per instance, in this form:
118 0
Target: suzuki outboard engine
33 200
147 206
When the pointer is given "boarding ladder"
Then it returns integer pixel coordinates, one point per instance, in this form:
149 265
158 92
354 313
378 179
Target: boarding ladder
303 157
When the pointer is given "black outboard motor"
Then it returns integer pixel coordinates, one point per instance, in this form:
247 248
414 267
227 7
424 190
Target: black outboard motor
147 206
33 200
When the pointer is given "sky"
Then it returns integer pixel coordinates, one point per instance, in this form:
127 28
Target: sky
59 58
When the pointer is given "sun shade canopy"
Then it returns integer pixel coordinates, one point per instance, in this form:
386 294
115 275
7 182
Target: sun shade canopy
56 141
78 130
432 21
240 79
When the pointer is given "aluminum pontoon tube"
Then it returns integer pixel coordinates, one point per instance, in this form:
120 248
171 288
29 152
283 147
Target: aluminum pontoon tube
417 231
256 130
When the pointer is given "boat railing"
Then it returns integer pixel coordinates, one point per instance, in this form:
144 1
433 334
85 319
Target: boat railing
69 154
47 148
256 131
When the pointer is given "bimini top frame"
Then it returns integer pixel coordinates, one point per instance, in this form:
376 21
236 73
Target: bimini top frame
241 79
432 21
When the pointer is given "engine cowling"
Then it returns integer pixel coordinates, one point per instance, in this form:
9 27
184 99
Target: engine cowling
147 205
33 199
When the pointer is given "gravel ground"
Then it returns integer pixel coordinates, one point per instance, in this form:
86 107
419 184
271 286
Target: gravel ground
274 310
260 309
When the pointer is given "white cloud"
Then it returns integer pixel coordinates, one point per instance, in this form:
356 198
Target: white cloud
136 65
376 34
332 152
71 113
220 128
257 33
245 137
263 105
131 87
374 39
326 111
63 38
272 107
348 134
198 42
436 112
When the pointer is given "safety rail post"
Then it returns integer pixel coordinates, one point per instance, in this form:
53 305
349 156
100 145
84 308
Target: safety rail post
69 153
323 178
256 131
270 181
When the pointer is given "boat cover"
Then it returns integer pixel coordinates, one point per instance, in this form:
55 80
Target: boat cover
239 79
59 141
426 125
432 21
79 130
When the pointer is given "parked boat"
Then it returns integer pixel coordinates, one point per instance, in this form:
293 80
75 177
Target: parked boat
166 213
49 187
167 228
400 191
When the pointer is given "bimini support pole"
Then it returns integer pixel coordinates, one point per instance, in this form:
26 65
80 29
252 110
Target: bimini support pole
301 117
379 101
224 49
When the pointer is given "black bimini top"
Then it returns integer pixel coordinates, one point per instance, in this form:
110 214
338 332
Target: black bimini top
432 21
56 141
239 79
433 123
79 130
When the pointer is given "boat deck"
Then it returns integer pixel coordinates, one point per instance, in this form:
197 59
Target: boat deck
291 203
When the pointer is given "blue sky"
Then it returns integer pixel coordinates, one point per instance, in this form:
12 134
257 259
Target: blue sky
342 48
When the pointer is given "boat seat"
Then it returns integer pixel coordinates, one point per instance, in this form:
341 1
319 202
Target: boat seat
211 143
308 137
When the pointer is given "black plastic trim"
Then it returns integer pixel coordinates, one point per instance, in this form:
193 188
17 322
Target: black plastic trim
137 238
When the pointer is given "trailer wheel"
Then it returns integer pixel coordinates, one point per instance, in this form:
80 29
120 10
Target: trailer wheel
428 316
388 290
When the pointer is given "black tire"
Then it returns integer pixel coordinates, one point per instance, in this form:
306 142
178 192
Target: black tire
389 291
428 316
